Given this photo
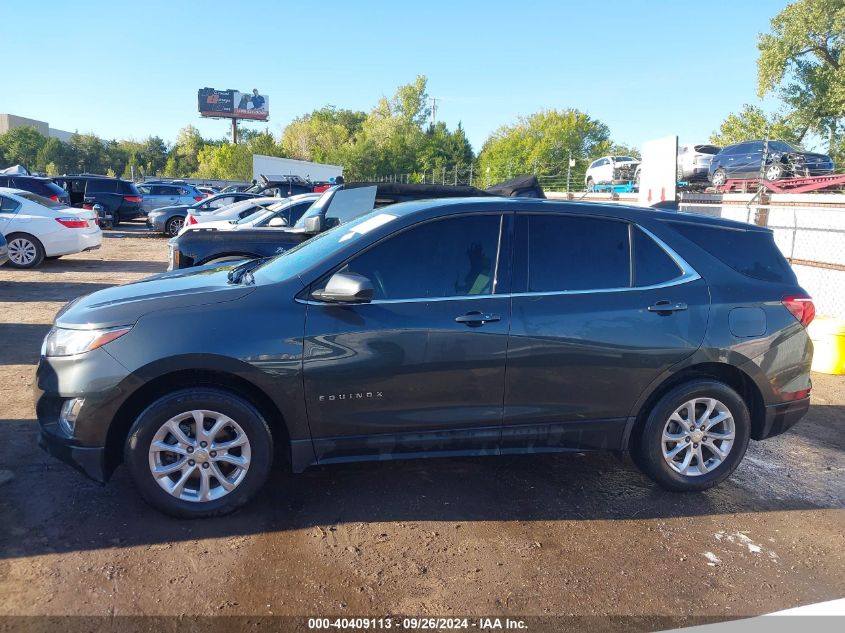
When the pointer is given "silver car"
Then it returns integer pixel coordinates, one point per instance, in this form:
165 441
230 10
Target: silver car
167 195
694 161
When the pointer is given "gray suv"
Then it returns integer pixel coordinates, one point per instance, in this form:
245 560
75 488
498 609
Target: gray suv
166 195
476 326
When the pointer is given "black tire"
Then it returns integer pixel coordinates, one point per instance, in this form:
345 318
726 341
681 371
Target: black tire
719 178
137 459
115 218
590 184
647 449
173 225
31 246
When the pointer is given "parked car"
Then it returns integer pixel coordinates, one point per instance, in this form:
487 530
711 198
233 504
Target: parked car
4 250
195 248
167 195
232 212
746 161
234 188
281 186
119 198
36 227
447 327
35 184
171 219
207 191
273 213
694 161
608 169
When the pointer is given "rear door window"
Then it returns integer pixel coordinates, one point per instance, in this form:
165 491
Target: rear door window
652 265
751 253
96 185
571 253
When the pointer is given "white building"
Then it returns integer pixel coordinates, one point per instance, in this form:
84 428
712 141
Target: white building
12 121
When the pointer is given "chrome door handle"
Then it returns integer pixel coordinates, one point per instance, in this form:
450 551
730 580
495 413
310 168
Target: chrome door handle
667 306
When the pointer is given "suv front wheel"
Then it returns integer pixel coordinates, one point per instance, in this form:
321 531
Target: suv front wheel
694 437
199 452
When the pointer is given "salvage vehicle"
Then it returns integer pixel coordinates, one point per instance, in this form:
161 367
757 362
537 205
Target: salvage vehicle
774 160
271 213
611 170
36 227
199 247
694 161
158 195
119 199
479 326
170 220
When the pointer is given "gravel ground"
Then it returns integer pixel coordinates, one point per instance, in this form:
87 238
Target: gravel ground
549 535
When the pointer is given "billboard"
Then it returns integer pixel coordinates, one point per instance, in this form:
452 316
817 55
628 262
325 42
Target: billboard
233 104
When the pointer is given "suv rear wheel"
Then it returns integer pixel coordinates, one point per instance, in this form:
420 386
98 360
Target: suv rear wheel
695 436
199 452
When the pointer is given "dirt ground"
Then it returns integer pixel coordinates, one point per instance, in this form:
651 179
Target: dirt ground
551 535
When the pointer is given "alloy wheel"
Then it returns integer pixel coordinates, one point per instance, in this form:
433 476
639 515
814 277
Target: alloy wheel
22 252
199 456
175 225
719 178
698 436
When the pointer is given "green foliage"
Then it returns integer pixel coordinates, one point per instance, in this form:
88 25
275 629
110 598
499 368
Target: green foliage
542 144
753 123
801 60
21 146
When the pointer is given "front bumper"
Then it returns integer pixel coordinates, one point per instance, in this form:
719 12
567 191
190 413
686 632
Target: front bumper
156 223
782 417
89 460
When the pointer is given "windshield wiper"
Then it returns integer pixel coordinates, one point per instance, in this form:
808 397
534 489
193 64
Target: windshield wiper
237 274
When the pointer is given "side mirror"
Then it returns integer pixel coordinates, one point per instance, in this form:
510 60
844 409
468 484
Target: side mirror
346 288
276 222
314 224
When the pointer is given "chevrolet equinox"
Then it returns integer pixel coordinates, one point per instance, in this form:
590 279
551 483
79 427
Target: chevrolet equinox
430 329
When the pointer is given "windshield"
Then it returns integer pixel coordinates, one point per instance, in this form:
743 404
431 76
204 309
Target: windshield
261 213
312 251
44 202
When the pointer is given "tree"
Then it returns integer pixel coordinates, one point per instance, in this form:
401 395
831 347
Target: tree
54 157
542 144
753 123
21 145
802 60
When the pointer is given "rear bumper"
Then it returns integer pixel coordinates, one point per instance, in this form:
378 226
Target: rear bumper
782 417
74 242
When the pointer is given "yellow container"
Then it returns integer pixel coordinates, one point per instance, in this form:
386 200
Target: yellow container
828 337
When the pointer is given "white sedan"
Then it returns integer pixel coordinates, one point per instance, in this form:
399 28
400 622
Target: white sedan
36 227
283 212
234 211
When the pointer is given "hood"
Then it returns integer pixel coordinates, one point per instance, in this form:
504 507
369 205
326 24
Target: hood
124 305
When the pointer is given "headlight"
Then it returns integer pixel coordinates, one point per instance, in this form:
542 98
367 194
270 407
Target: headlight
63 342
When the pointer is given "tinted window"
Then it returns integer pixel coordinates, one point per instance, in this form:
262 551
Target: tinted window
574 253
781 146
445 258
128 188
145 190
297 210
101 186
7 205
752 253
652 265
222 202
44 202
4 181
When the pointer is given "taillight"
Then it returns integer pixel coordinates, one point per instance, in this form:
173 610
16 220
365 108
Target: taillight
802 308
198 198
133 199
73 223
54 198
190 220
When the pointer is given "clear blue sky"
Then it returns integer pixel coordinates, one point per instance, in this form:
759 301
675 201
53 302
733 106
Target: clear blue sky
646 68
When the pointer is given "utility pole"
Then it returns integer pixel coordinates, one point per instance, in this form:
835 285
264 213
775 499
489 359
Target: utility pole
569 171
234 131
456 174
470 174
433 110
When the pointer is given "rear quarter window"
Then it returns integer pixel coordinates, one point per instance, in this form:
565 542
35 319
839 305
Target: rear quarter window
751 253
